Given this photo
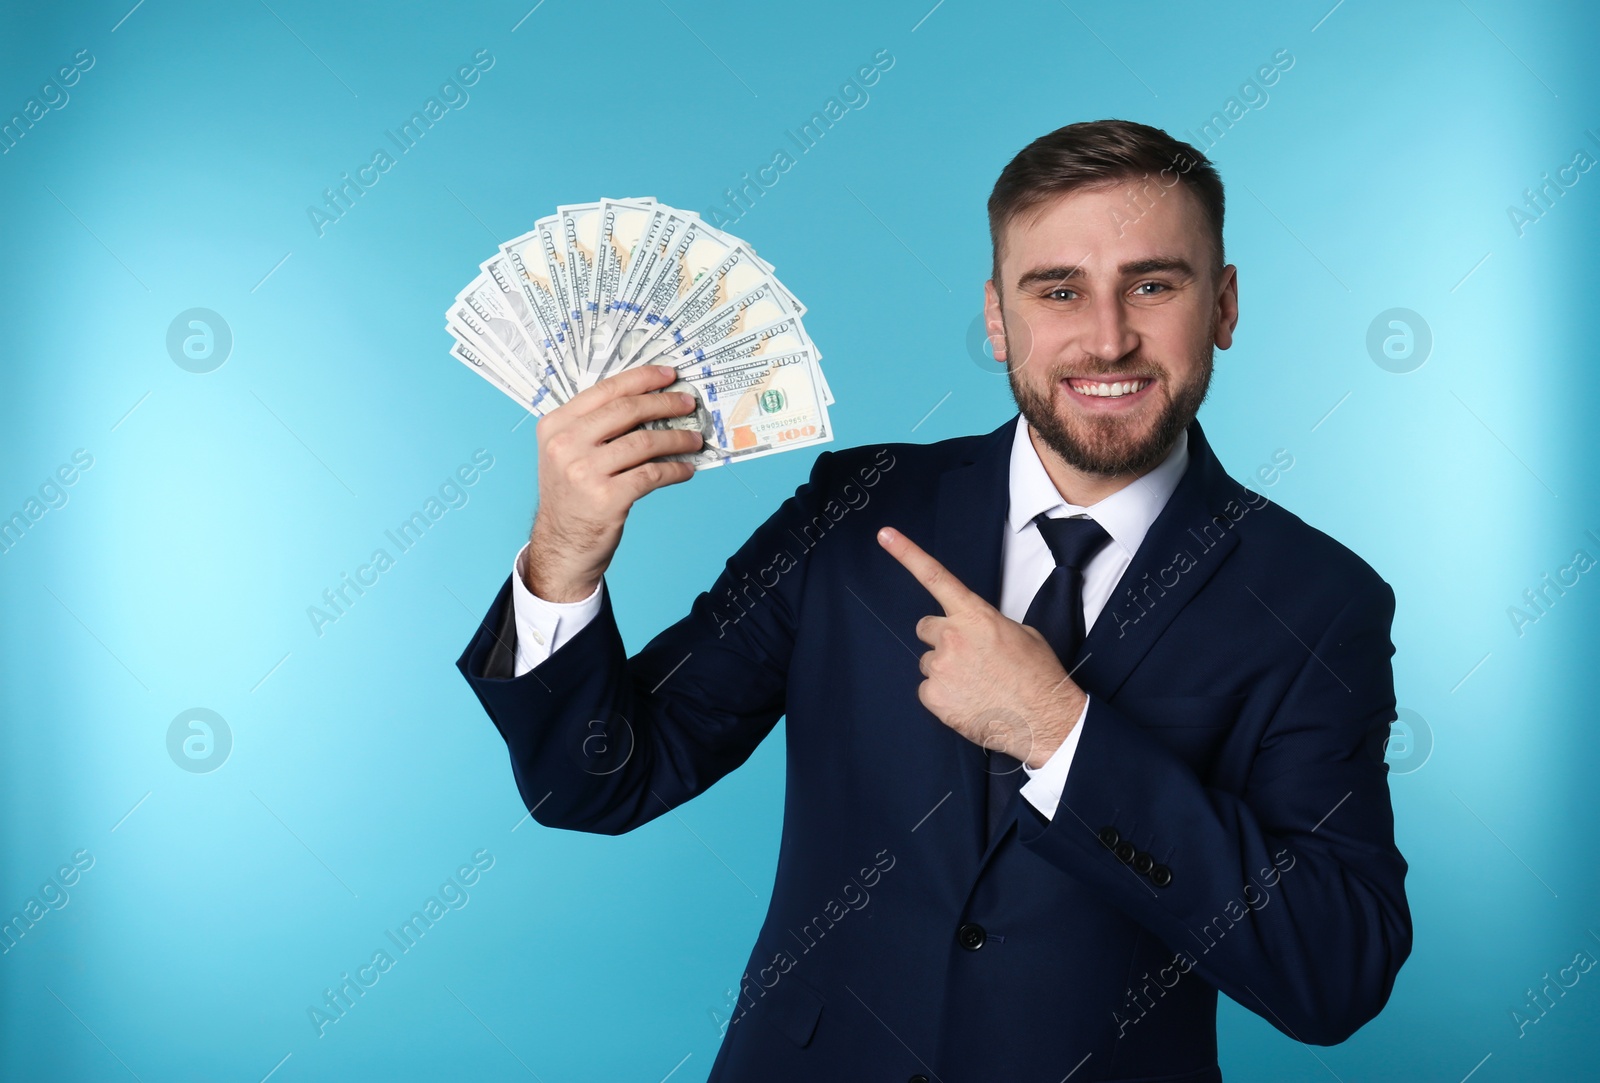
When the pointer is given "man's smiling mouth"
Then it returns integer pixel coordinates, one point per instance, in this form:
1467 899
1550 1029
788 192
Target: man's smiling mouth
1109 390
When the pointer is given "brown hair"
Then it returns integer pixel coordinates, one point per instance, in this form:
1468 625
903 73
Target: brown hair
1094 154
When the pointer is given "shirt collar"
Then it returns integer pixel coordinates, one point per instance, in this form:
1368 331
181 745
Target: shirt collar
1126 514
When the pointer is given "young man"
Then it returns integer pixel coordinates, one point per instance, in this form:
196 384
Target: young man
1142 758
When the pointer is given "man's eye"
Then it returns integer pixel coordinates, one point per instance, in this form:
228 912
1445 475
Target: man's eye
1149 285
1056 294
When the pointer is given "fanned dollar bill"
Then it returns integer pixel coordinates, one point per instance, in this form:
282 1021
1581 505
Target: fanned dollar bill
598 288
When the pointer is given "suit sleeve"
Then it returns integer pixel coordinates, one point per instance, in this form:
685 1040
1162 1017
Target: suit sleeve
1289 896
602 742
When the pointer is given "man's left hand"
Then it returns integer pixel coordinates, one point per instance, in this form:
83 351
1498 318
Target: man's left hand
994 681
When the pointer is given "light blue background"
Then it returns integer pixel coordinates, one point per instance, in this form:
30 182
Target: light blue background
363 771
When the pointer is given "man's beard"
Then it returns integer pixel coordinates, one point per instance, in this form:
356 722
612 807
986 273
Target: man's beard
1101 444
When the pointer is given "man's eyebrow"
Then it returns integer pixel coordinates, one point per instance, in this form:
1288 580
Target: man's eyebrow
1049 274
1157 264
1151 265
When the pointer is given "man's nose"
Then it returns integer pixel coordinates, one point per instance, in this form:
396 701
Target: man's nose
1109 335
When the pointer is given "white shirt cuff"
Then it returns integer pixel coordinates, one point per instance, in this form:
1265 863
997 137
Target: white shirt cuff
543 626
1045 782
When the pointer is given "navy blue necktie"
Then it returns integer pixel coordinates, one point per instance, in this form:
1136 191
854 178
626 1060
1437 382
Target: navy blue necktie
1056 612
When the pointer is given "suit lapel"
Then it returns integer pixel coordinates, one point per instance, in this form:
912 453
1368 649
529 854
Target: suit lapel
1184 547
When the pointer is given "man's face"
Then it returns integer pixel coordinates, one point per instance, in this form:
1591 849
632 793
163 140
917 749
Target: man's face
1107 320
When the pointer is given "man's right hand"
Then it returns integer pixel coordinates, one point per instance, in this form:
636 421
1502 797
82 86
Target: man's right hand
594 462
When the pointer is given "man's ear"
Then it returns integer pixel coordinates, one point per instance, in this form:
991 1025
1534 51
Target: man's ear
1227 312
993 324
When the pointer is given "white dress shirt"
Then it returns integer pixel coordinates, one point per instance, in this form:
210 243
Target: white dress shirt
543 627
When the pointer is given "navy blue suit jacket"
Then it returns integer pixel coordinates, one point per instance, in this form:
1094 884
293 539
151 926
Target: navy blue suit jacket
1226 821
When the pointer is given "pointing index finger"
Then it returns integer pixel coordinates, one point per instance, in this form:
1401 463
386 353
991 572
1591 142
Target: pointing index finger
951 594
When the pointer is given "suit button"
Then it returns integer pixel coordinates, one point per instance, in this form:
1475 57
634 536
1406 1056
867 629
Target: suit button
1160 875
971 936
918 1079
1143 862
1124 851
1109 837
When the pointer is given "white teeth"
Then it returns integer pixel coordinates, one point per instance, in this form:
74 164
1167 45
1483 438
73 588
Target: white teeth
1109 391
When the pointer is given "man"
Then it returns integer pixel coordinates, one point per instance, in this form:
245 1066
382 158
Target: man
1060 845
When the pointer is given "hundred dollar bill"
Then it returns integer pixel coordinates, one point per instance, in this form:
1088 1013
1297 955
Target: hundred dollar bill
483 298
553 245
485 365
580 232
731 240
525 258
661 274
536 401
754 407
697 250
714 286
784 336
761 307
465 325
486 357
497 274
621 229
639 283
